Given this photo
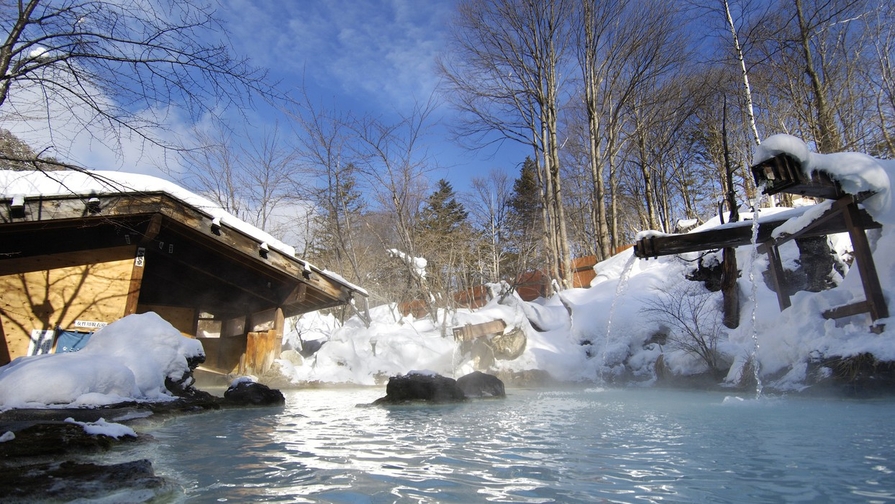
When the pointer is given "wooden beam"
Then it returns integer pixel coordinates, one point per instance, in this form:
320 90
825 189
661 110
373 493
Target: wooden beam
739 235
866 267
133 292
470 332
847 310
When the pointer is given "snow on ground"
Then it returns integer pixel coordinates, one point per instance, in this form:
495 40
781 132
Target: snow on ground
128 359
611 332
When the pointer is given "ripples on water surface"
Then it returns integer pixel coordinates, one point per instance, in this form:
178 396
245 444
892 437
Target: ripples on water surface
586 445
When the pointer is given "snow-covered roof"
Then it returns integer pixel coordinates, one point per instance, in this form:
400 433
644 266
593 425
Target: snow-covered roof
90 183
87 183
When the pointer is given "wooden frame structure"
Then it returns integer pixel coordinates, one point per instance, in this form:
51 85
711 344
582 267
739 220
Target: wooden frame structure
70 262
782 173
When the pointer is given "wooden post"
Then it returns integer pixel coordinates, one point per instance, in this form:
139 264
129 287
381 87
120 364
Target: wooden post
136 281
776 267
866 267
729 288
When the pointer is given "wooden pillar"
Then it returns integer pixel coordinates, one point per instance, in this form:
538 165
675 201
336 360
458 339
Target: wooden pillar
729 288
264 341
136 281
873 292
777 275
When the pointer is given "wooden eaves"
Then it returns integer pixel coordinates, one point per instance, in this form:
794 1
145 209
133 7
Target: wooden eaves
206 249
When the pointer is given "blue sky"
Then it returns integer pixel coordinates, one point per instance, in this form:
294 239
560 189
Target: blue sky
368 57
371 56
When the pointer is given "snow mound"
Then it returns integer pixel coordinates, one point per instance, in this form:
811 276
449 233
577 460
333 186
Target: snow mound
127 360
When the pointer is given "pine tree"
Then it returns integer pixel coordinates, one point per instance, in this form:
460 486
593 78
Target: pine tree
442 214
444 239
524 221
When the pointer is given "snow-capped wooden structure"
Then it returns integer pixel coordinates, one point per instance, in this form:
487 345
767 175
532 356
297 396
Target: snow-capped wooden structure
783 174
95 248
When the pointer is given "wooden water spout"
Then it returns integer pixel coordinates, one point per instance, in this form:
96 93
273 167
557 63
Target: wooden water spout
782 173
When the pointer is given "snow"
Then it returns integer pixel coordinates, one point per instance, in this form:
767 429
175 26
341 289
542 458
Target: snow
610 330
418 264
32 184
128 359
242 379
601 333
104 428
855 172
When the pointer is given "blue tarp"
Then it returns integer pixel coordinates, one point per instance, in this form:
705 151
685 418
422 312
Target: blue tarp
71 341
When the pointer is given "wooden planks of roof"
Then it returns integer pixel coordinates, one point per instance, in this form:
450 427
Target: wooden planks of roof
159 253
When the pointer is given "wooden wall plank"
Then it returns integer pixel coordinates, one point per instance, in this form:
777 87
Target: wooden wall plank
55 291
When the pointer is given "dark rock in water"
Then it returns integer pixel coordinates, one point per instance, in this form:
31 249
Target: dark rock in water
421 387
185 388
56 438
69 481
253 394
478 384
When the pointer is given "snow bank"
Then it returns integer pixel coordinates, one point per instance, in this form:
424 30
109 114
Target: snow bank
855 172
612 332
127 360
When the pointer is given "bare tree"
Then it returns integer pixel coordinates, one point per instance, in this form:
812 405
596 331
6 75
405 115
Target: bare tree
488 205
121 65
880 74
253 183
327 146
689 312
741 60
213 168
505 76
810 52
393 163
598 27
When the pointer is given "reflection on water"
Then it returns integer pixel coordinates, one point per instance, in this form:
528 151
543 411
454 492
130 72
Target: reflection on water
582 445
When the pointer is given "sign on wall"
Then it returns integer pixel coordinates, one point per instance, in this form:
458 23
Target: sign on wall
41 341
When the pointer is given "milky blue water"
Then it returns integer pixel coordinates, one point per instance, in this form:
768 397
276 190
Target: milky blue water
581 445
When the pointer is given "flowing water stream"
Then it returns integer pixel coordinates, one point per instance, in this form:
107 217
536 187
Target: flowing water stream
753 298
570 445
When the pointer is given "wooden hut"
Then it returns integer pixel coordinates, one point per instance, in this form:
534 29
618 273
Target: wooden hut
79 250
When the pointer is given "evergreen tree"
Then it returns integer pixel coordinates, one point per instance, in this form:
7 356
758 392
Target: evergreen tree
442 214
339 208
444 239
524 221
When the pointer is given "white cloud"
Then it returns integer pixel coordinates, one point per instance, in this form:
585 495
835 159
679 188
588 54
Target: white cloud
378 52
72 132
